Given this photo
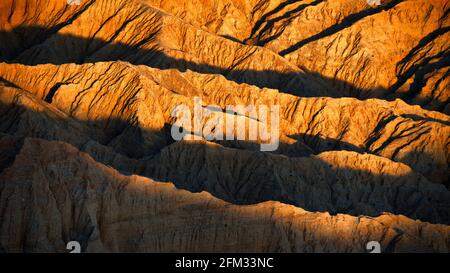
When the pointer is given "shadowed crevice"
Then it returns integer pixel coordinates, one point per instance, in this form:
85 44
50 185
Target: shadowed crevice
269 24
345 23
421 68
303 83
248 176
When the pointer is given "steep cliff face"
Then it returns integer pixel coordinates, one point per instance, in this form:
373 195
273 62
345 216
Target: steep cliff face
87 94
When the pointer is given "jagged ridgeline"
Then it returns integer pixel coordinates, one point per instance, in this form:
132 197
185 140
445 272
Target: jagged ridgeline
87 92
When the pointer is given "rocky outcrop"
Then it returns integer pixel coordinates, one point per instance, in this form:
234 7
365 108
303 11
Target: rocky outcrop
335 181
87 94
129 108
164 42
352 44
350 48
43 208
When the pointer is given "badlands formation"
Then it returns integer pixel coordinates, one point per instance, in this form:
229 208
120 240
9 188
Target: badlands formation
86 99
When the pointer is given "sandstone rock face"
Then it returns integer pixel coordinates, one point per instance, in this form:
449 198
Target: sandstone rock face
396 50
107 211
128 108
87 94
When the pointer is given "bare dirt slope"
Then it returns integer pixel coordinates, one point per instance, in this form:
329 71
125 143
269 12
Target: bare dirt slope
86 153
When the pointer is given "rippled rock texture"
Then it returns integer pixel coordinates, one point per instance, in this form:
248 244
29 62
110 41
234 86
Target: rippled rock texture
86 152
